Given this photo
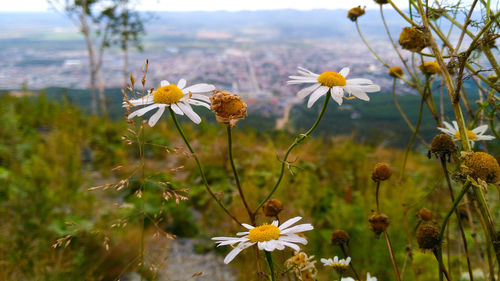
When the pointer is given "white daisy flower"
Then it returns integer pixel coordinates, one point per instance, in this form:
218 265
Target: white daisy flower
340 265
334 82
368 278
178 97
268 237
473 135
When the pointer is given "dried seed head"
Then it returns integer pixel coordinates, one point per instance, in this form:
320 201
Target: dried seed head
340 237
442 145
228 108
355 12
413 39
379 223
272 207
424 214
381 172
396 72
493 78
381 2
428 237
435 14
430 67
480 165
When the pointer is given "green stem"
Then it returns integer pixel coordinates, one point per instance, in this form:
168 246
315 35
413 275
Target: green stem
368 46
269 259
466 187
235 173
297 141
200 168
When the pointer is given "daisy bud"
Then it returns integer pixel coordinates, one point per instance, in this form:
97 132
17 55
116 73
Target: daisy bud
424 214
272 208
355 12
442 145
379 223
430 67
413 39
396 71
381 172
228 108
340 237
428 237
480 165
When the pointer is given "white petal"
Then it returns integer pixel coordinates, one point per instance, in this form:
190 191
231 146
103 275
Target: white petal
293 238
302 78
189 112
236 251
142 111
293 82
289 222
485 137
480 130
357 92
199 88
242 233
147 99
298 228
152 121
445 131
198 103
291 245
181 84
176 109
358 81
344 71
275 223
455 124
200 97
449 127
230 242
337 94
367 88
164 83
306 91
321 91
306 70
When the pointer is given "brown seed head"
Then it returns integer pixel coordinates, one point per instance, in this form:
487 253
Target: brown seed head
379 223
228 108
340 237
424 214
428 237
355 12
493 78
272 207
396 72
481 165
442 145
413 39
381 2
430 67
381 172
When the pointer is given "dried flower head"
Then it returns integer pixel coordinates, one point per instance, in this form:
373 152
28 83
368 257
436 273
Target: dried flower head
424 214
272 208
303 266
430 67
493 78
228 108
480 165
442 146
413 39
381 172
379 223
428 237
355 12
382 2
434 13
396 72
340 237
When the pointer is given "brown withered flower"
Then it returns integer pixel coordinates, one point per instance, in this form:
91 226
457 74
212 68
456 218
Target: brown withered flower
340 237
424 214
396 72
428 237
430 67
228 108
413 39
480 165
442 147
354 13
272 208
381 172
382 2
379 223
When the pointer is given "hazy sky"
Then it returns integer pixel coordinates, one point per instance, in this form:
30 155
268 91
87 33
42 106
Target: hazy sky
214 5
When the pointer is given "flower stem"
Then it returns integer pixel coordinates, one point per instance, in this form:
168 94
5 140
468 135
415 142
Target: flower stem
368 46
466 187
350 264
200 168
298 140
269 259
235 173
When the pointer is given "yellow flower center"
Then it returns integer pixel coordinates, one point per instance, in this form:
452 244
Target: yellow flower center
266 232
470 135
330 79
168 94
